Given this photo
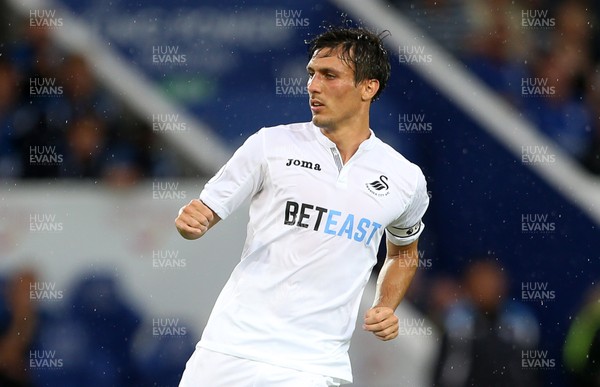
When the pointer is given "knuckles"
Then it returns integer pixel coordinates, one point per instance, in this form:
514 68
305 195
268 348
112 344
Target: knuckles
196 206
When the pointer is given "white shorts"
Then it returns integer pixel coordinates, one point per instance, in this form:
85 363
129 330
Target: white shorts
208 368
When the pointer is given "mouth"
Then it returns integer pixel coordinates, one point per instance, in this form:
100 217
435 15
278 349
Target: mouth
316 105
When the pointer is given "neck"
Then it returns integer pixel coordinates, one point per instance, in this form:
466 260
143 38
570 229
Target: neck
348 138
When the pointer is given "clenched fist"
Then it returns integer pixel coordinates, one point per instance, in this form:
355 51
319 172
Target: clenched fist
382 322
195 219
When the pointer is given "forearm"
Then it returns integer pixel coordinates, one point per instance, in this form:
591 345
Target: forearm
395 277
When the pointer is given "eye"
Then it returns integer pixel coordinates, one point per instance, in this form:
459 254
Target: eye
330 76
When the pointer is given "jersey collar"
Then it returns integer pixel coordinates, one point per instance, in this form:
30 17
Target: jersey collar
326 142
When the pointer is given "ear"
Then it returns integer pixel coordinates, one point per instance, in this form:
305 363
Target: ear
369 89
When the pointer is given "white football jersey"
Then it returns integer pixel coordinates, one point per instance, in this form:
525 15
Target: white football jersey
312 240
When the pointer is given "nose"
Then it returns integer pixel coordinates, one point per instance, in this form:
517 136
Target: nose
313 85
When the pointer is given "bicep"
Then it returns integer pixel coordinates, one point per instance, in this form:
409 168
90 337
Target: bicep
406 229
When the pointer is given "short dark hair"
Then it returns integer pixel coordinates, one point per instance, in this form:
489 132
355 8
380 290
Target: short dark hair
361 49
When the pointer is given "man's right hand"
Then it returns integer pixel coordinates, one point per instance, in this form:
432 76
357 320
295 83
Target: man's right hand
195 219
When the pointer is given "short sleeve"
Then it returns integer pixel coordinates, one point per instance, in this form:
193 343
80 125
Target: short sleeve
239 179
407 228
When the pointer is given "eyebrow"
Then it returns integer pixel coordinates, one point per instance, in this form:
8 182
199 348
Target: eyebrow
323 69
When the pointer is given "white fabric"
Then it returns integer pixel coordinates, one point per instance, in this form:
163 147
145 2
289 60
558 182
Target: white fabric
208 368
312 240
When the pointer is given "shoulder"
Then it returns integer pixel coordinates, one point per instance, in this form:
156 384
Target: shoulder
403 169
294 129
285 136
397 158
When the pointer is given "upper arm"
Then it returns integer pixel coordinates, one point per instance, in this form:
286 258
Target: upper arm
408 252
406 228
240 178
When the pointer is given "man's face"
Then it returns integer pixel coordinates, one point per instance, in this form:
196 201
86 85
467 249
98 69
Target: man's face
334 98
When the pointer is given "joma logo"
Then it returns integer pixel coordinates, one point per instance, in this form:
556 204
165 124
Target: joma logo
303 164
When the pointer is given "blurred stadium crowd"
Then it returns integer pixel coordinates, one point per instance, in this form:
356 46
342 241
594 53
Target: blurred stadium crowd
98 138
58 121
542 56
97 337
491 339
